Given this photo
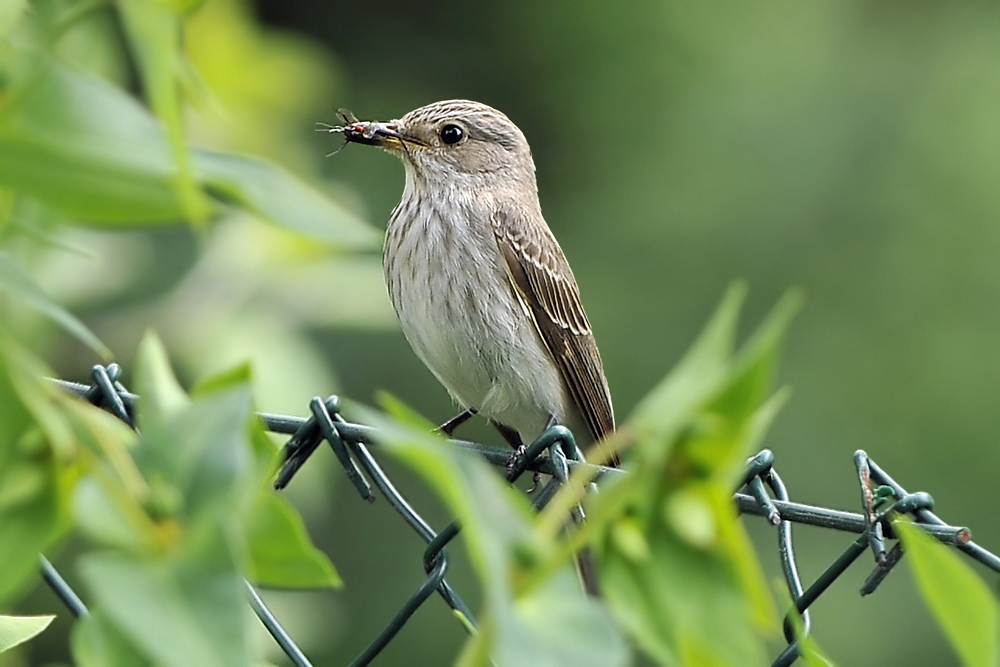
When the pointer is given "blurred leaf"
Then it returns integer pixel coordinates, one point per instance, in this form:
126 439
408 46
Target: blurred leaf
97 642
110 518
32 490
153 31
88 149
281 553
962 604
10 13
202 456
162 396
190 611
662 411
17 282
16 630
550 623
275 195
238 376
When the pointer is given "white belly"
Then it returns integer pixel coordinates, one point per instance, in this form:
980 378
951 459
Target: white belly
458 311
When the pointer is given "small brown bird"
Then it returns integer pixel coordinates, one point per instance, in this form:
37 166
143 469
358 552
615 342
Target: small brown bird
482 289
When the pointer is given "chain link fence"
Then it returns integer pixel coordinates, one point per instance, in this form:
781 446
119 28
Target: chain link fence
761 493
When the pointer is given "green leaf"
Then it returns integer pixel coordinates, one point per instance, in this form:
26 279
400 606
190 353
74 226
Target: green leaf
33 493
678 568
154 33
183 612
85 148
202 457
18 283
660 414
272 193
959 600
16 630
162 395
97 642
281 553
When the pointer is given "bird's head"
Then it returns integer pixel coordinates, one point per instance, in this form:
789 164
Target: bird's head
454 143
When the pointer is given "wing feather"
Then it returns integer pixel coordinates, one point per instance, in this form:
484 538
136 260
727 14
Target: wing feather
542 276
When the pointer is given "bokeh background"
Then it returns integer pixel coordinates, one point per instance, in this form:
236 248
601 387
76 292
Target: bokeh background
849 149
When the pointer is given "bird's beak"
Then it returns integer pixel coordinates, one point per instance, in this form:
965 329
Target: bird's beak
384 135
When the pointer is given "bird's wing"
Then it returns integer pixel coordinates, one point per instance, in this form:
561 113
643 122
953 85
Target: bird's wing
542 278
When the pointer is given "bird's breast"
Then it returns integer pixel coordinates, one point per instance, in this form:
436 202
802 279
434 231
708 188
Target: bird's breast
458 310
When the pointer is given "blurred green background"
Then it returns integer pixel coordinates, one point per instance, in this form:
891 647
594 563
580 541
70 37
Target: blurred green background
851 149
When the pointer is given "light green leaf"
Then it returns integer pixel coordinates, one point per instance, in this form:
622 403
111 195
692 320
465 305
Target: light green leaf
281 553
10 13
959 600
154 33
659 414
18 283
678 568
162 395
85 148
16 630
32 492
272 193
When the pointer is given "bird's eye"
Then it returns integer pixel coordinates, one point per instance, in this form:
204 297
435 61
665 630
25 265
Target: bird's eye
452 134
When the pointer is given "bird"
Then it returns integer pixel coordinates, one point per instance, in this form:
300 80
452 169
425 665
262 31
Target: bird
484 293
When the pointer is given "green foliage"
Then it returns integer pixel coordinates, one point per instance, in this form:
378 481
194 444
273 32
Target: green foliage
17 629
677 568
961 602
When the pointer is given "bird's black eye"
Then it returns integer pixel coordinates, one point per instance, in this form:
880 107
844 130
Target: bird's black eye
452 134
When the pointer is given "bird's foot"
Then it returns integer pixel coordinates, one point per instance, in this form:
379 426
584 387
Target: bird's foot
514 462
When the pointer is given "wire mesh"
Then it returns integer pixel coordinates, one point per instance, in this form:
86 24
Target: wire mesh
761 492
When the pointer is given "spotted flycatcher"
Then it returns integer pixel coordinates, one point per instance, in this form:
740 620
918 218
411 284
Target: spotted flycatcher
482 289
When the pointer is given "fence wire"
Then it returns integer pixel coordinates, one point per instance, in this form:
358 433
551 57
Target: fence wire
761 492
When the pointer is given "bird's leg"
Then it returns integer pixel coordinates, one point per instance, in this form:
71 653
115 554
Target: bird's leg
513 438
449 426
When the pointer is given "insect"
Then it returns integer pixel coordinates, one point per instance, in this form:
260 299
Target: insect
351 129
